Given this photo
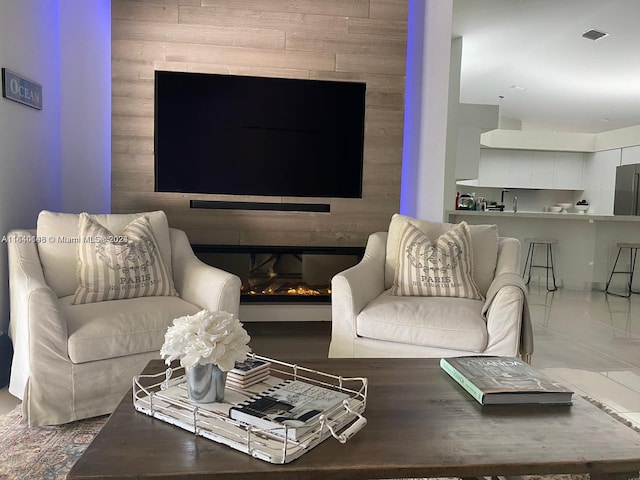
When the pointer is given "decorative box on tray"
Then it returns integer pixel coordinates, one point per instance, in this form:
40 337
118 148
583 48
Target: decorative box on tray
164 397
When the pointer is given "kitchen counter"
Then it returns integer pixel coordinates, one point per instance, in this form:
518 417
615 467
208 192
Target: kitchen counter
586 247
544 215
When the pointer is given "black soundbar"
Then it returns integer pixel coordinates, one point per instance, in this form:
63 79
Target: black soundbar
279 207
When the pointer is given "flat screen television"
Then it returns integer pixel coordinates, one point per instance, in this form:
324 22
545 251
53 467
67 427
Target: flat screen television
243 135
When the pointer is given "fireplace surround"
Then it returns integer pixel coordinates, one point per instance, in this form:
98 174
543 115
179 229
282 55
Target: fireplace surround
281 274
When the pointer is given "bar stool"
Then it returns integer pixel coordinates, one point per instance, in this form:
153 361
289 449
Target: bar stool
548 266
633 253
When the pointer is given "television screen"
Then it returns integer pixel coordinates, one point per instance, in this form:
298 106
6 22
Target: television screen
242 135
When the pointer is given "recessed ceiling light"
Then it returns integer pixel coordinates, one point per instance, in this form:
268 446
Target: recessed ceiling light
594 34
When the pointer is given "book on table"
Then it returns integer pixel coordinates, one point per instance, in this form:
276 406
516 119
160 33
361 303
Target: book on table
504 380
290 408
249 372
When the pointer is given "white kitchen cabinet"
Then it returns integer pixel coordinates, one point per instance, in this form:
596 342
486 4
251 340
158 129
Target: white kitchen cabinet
542 164
494 169
568 171
531 169
520 169
630 155
599 180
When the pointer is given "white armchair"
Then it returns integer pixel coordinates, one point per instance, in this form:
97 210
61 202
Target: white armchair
77 361
368 321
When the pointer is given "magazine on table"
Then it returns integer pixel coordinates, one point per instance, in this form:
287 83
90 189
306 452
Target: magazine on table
291 407
504 380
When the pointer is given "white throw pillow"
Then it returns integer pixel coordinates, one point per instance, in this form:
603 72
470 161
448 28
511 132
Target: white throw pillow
119 265
59 232
443 268
484 240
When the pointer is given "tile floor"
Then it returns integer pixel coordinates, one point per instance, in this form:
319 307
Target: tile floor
589 341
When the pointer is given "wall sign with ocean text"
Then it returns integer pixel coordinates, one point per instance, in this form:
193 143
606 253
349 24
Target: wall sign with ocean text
20 89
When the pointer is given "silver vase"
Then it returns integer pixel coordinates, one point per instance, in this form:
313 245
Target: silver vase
205 383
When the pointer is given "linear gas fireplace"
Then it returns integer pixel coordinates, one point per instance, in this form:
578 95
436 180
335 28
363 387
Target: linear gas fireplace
281 274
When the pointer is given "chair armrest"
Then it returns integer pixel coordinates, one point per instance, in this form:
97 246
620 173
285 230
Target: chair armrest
36 326
504 315
354 288
508 256
506 308
201 284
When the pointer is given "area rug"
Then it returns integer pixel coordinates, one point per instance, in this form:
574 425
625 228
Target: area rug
48 453
42 452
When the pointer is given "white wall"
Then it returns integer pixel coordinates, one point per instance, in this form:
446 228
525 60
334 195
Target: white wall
423 163
85 68
29 138
55 158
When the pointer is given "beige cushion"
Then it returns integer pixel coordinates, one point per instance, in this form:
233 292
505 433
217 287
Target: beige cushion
59 239
439 322
119 265
484 241
443 268
103 330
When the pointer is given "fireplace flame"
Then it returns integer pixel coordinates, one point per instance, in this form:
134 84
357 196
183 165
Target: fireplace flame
289 290
266 279
302 290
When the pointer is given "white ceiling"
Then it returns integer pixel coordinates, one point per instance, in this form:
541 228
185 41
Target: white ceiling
572 84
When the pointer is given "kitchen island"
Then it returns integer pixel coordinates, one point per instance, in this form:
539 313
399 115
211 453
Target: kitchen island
586 246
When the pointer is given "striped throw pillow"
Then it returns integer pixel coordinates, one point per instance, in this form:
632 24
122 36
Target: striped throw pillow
118 266
443 269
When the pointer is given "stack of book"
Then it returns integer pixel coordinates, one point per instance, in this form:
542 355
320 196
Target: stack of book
248 373
290 408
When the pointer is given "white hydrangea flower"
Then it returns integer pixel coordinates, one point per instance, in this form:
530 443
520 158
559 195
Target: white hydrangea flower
206 337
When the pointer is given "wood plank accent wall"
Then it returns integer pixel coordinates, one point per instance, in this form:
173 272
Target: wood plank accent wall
352 40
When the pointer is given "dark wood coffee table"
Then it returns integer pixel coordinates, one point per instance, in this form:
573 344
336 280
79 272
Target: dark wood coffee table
421 424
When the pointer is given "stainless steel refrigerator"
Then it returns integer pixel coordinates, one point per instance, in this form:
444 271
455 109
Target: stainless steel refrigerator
627 197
